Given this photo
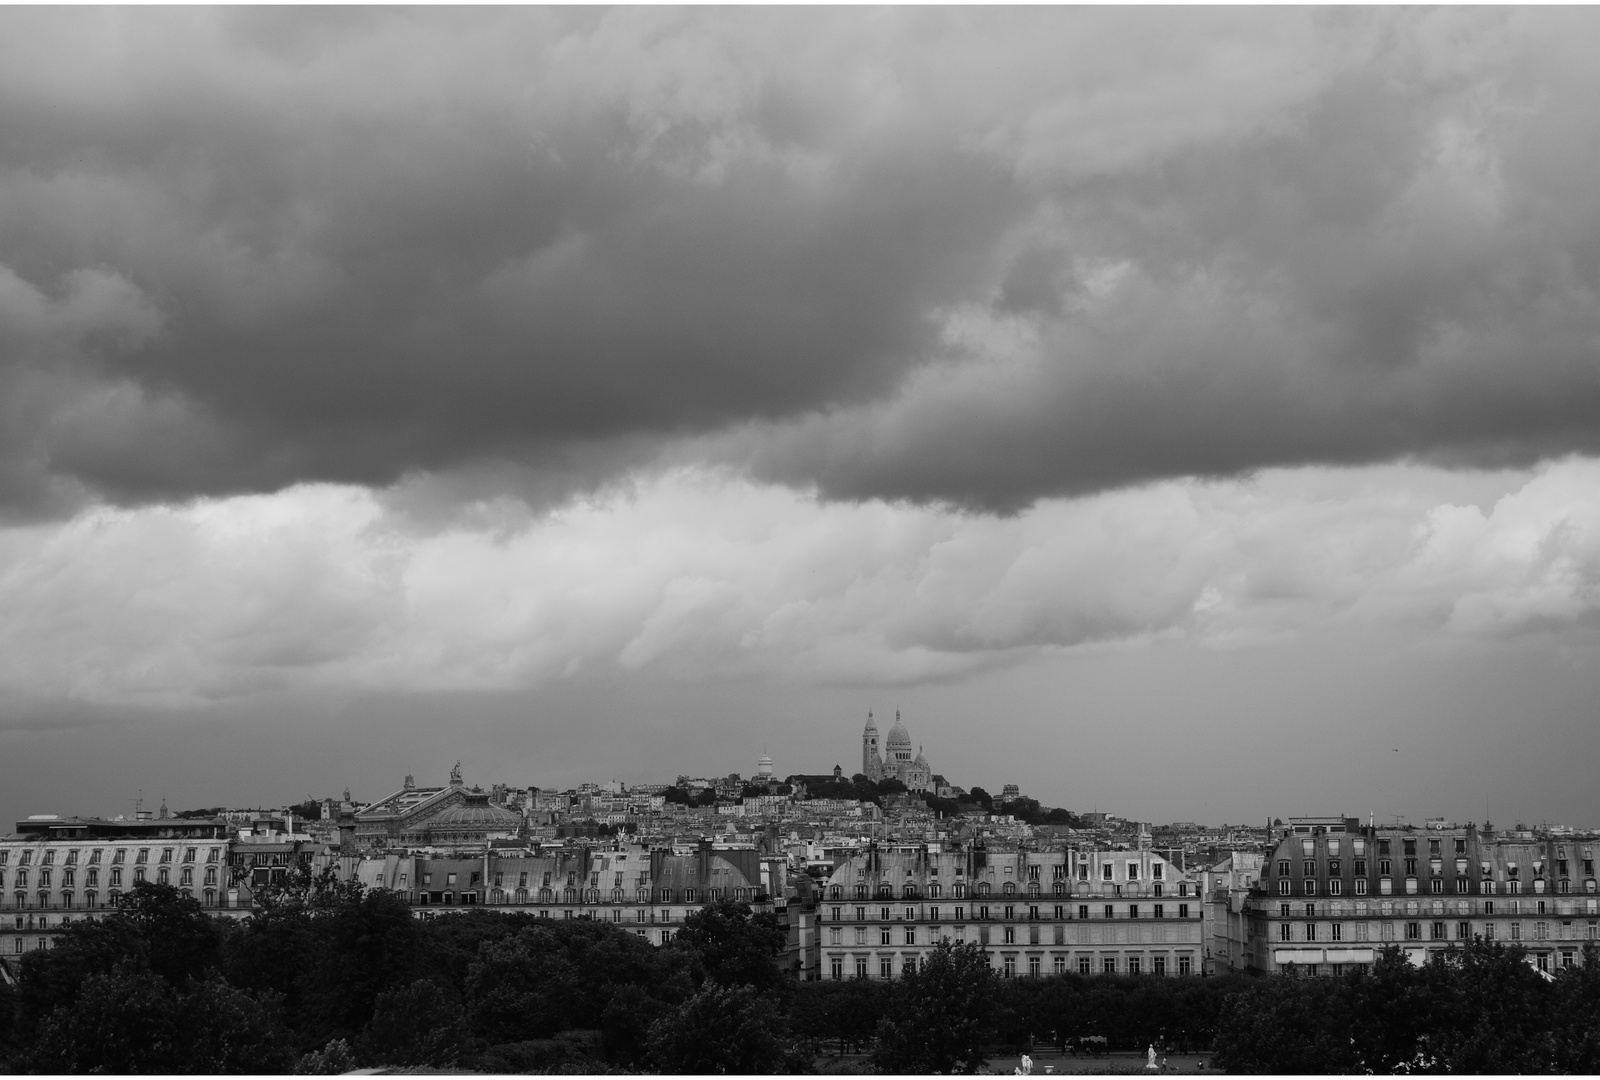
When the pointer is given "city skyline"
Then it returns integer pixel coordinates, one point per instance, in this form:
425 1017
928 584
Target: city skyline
1192 414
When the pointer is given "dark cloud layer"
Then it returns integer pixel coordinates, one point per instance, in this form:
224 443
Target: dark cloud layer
954 255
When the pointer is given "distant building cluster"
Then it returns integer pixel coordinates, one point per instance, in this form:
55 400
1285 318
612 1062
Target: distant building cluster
866 876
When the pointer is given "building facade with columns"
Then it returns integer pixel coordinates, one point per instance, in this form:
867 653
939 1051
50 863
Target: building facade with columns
57 870
1034 913
1333 893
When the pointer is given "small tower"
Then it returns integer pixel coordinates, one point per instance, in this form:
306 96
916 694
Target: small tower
871 762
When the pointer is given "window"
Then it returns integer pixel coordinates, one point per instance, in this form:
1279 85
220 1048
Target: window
1060 965
1108 964
885 968
1109 911
1160 911
1083 911
861 967
1158 965
1133 965
1283 886
1310 888
911 935
883 935
1413 931
1133 911
1010 967
836 967
1283 931
1105 872
1185 964
1083 965
1183 911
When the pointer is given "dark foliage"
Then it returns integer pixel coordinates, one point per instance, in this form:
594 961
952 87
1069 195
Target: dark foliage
724 1029
734 946
130 1020
1480 1008
940 1016
413 1026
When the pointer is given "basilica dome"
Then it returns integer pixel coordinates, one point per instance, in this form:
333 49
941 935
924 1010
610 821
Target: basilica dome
899 738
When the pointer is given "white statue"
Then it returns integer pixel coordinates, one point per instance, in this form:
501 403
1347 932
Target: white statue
1151 1054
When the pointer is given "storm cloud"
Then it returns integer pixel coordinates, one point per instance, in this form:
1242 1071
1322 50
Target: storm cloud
967 257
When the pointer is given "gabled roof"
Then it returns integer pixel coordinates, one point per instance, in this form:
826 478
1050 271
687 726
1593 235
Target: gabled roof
402 802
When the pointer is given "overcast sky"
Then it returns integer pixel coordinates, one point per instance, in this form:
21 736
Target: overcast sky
1190 413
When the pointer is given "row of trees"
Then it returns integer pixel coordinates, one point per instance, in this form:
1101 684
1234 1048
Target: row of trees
1478 1009
332 977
